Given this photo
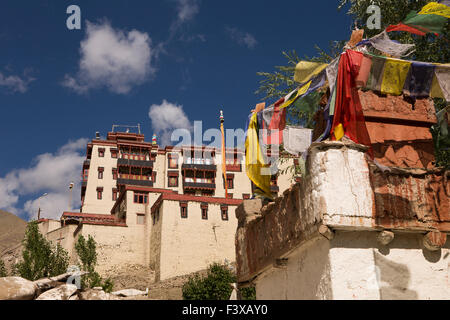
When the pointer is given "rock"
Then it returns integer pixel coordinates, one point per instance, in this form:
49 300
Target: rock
63 292
91 294
326 232
385 237
16 288
234 292
434 240
74 297
48 283
97 288
129 293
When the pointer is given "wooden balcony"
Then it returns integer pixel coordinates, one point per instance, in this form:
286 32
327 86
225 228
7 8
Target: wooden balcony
134 180
134 163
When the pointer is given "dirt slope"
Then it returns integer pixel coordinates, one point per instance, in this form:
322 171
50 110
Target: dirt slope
12 230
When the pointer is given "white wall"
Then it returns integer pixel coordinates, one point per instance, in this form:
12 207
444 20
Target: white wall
354 266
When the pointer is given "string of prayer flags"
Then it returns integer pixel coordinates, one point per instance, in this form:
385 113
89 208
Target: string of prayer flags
306 70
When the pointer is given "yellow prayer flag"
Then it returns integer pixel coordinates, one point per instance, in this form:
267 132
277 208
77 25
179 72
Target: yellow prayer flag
254 159
395 72
439 9
305 70
436 91
299 93
339 132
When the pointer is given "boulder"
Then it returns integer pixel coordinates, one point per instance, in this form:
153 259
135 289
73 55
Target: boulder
129 293
16 288
92 294
63 292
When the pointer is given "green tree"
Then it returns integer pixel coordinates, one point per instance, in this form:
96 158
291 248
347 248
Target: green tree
216 285
430 48
3 272
87 253
40 258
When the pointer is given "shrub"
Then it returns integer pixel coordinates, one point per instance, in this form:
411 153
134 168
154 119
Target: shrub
40 258
248 293
3 272
87 252
215 286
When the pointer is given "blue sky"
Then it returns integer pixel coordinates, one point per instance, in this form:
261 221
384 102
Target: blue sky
190 58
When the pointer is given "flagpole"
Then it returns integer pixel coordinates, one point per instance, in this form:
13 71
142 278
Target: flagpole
224 165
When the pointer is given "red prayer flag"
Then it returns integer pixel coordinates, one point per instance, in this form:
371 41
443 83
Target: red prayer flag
404 27
277 123
348 109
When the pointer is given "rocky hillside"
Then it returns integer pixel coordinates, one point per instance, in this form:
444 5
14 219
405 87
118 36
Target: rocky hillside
12 230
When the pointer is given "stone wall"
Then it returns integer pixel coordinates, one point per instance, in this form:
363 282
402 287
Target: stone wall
318 239
399 129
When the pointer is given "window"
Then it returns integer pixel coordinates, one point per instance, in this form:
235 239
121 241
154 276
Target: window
101 152
154 176
172 179
140 218
114 153
173 182
273 180
100 172
224 211
184 210
204 211
140 197
85 174
114 173
173 161
100 193
245 196
230 182
114 194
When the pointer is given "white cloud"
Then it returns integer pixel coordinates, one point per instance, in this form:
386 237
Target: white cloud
165 118
49 173
112 58
187 10
15 83
242 38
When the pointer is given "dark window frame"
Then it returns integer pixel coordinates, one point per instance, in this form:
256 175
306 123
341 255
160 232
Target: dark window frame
224 213
100 193
183 210
140 197
204 209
